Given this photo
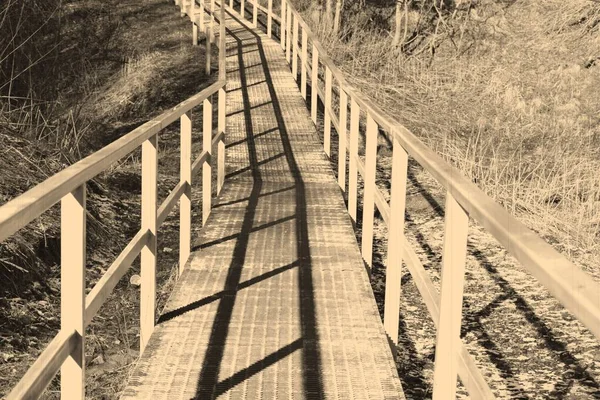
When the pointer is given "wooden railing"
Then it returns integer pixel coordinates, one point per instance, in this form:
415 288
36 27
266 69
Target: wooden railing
575 289
66 351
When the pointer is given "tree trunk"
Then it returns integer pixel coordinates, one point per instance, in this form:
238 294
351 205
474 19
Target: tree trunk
398 22
336 19
328 9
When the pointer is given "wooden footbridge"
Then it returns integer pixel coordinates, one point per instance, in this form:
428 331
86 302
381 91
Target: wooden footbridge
273 299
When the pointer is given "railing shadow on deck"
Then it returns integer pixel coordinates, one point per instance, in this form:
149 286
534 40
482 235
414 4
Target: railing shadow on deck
208 383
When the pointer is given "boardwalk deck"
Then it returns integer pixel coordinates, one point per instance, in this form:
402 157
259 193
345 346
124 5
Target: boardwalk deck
275 302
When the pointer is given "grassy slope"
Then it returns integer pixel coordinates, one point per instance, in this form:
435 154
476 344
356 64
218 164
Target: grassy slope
110 98
518 113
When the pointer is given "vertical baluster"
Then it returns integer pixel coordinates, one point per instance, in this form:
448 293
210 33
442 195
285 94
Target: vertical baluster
243 9
342 139
221 146
231 4
72 290
255 13
369 193
269 18
295 50
451 297
304 61
283 24
328 111
148 255
288 43
352 160
185 204
393 274
314 84
206 168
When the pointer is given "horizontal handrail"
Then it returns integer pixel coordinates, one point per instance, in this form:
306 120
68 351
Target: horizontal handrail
47 365
20 211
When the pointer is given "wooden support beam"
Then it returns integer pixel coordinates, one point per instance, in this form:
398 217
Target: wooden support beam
222 123
303 61
72 290
393 275
353 170
295 50
206 168
328 111
148 255
342 128
185 202
369 191
269 18
314 83
453 279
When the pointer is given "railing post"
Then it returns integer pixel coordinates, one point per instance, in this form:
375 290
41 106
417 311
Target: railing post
72 289
269 18
221 145
352 160
327 125
231 4
212 21
148 255
202 27
342 139
185 204
283 24
243 8
304 60
393 275
314 84
288 43
295 50
194 25
369 191
207 168
208 51
451 297
255 13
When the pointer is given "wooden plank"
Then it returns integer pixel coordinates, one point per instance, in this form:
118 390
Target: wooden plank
341 129
353 172
47 365
72 290
314 82
470 375
148 253
454 256
185 203
106 284
328 112
369 191
206 167
295 50
393 275
20 211
303 60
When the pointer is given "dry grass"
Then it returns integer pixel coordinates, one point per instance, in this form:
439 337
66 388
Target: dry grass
517 112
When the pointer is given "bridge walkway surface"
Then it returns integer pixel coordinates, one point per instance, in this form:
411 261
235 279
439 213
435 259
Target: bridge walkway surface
275 302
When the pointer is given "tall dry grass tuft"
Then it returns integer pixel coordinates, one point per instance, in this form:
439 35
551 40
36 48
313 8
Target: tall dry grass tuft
510 99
